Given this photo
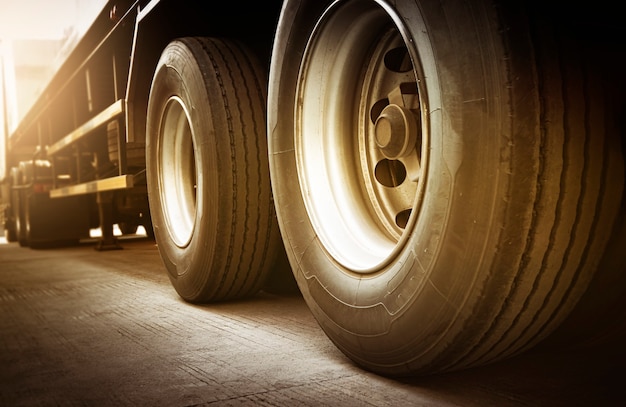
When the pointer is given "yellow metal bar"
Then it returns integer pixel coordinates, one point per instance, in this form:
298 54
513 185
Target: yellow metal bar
101 118
106 184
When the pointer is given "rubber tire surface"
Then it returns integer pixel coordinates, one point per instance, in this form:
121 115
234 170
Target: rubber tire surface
234 239
10 234
521 189
22 177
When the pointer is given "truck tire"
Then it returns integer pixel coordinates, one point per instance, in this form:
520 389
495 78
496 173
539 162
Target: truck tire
128 227
208 176
10 231
23 177
10 234
21 228
441 174
56 222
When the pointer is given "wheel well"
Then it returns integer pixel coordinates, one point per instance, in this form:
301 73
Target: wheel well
166 21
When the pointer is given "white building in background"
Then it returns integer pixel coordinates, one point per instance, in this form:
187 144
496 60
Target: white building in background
35 37
28 65
8 98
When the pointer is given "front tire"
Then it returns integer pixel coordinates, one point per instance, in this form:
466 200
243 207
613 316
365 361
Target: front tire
444 187
208 181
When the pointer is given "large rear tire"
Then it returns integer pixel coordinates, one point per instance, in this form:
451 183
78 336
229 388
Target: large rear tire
208 181
43 222
22 177
442 177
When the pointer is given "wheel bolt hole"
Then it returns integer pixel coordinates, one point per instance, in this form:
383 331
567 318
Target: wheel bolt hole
402 218
398 60
390 173
378 108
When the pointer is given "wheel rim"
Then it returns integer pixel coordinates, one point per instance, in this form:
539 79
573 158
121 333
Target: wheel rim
177 172
360 135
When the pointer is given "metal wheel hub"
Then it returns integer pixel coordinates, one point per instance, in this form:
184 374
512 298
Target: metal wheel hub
359 135
177 172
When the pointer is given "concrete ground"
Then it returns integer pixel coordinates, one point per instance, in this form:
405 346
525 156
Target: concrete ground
86 328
